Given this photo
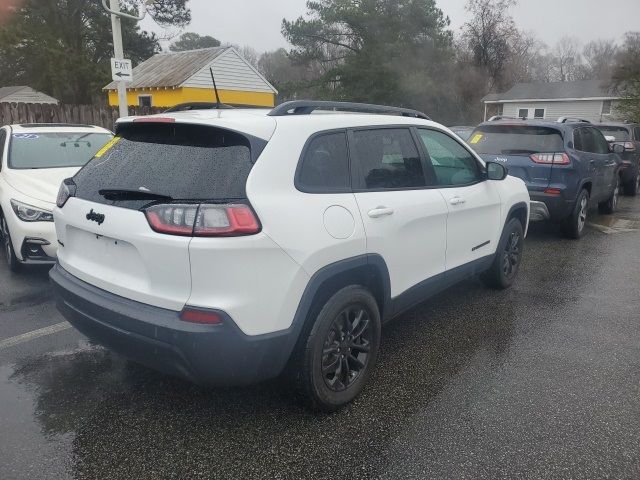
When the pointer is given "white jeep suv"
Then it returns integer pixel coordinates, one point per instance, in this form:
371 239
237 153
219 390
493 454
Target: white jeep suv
224 245
34 159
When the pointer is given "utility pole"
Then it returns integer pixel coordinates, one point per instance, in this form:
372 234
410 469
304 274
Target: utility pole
118 50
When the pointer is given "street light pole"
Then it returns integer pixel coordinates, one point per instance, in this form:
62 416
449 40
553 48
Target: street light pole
116 27
118 51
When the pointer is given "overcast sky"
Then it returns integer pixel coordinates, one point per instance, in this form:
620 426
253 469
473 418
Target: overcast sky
257 22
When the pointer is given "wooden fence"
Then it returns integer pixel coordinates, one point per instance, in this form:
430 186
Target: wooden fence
103 116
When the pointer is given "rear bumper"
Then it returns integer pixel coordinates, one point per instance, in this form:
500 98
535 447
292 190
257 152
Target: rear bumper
557 208
218 355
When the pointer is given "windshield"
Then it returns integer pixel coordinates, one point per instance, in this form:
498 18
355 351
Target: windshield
54 150
620 133
515 139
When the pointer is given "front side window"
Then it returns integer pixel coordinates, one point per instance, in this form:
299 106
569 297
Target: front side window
54 150
452 163
386 159
592 141
325 164
601 144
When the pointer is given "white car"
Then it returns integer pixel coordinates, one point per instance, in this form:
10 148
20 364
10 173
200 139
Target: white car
224 245
35 160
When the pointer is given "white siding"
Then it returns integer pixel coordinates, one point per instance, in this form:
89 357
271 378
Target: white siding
586 109
232 72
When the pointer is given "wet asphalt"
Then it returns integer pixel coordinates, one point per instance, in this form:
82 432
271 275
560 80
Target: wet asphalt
539 381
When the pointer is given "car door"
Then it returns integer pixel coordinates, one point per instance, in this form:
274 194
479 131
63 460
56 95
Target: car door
585 143
606 161
473 224
404 219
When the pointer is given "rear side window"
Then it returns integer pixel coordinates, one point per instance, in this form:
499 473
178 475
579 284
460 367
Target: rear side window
325 164
516 139
386 159
184 162
637 133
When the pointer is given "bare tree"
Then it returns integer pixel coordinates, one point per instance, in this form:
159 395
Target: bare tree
567 59
489 36
599 56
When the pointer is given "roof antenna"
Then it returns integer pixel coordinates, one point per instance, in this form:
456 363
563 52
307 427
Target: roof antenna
215 89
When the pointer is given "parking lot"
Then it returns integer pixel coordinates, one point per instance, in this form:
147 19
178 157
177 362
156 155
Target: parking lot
539 381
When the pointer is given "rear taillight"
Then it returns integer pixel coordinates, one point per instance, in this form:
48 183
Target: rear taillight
67 190
203 220
629 146
551 158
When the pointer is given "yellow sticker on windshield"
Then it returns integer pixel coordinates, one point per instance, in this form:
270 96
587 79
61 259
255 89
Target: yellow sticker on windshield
107 147
476 138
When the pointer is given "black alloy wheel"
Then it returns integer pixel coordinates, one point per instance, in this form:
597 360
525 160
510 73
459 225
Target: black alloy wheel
512 254
346 348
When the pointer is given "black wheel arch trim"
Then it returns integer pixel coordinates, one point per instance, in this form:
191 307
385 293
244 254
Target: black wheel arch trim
514 207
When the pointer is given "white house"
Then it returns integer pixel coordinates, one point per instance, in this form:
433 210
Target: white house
586 99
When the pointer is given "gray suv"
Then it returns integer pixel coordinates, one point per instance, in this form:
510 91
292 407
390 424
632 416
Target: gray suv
627 135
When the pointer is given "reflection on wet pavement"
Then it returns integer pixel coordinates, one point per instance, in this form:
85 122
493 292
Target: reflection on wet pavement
539 381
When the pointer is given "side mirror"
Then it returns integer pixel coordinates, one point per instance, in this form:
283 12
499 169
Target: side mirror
617 148
496 171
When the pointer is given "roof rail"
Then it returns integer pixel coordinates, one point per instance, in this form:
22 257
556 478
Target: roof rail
185 107
503 117
306 107
572 120
43 125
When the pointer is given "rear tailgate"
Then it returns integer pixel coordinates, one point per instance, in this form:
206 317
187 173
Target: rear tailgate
106 237
535 176
514 144
123 255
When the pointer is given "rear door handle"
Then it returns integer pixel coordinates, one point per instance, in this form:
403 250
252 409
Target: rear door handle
457 201
380 212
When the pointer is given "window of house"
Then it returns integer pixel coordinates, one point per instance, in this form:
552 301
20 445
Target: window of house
325 165
606 107
385 159
523 113
538 113
144 100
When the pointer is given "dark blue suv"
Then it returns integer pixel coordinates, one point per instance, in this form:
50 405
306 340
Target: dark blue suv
568 166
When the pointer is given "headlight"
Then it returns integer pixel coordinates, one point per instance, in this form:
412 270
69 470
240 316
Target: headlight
28 213
67 189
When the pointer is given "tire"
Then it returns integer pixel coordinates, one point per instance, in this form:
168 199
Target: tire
608 207
573 226
7 247
631 188
331 369
505 266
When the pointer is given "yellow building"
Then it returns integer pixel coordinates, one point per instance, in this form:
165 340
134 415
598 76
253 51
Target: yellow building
168 79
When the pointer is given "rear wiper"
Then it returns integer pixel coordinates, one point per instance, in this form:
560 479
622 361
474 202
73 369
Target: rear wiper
131 194
515 151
